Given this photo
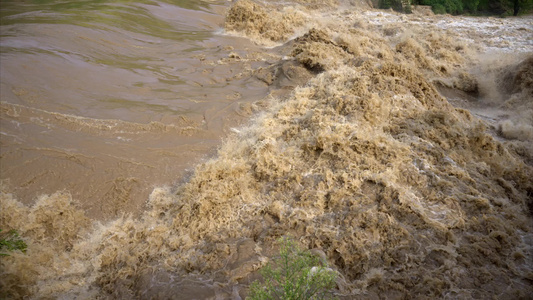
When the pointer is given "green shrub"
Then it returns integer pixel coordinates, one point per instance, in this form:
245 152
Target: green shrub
470 5
476 7
11 241
294 274
444 6
397 5
439 9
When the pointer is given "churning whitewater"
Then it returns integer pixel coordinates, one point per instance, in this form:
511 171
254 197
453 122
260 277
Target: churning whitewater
398 146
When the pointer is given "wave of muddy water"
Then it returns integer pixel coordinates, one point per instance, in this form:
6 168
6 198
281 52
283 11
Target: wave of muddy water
108 100
404 156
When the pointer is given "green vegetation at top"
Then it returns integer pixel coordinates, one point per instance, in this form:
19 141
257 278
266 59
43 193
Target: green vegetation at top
294 275
11 241
455 7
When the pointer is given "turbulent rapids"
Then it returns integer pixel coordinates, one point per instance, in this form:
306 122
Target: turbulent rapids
398 146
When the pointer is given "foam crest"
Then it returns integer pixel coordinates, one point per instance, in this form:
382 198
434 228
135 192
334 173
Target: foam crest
402 192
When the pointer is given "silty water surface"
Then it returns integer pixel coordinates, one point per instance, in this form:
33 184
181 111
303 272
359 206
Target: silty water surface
107 99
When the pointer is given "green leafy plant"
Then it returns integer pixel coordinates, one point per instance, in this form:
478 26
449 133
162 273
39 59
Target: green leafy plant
397 5
11 241
294 275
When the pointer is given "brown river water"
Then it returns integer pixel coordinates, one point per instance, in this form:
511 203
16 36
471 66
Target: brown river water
109 100
158 149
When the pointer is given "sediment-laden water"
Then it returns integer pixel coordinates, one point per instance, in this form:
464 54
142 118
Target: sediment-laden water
398 146
109 99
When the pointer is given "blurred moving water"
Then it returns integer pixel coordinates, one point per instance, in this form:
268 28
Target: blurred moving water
404 157
107 99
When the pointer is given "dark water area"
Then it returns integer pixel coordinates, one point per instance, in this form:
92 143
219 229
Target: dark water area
159 149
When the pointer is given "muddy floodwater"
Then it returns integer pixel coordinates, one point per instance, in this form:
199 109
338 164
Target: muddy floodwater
109 100
158 149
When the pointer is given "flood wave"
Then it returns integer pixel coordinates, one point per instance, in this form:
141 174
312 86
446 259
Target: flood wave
367 163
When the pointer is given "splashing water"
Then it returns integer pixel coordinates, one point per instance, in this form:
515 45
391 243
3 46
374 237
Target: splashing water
396 146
